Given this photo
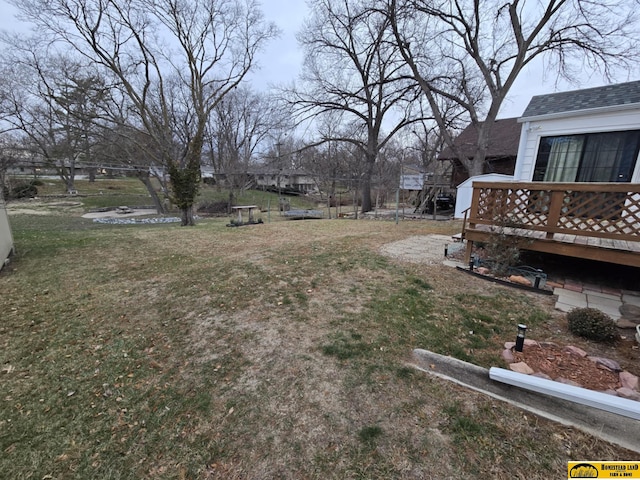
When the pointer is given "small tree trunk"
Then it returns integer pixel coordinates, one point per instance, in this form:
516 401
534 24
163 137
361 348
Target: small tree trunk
157 203
187 217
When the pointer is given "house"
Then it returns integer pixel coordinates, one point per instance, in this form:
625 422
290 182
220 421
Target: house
501 152
576 183
283 180
6 238
590 135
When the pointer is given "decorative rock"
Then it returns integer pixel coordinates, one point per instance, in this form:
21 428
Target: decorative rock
482 270
549 344
520 280
578 352
541 375
552 284
566 381
507 355
509 345
628 393
605 362
530 343
630 312
629 380
624 323
521 367
610 392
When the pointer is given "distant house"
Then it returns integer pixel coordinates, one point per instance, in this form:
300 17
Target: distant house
6 238
501 152
284 180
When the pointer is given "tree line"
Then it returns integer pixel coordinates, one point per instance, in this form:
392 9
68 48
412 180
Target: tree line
163 83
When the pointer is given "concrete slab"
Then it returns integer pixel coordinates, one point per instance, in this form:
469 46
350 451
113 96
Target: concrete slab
577 302
612 312
564 307
607 426
595 302
599 294
569 294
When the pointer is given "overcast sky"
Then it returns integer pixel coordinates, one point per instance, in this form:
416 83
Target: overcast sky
281 61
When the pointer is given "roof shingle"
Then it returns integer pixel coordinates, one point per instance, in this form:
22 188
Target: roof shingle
503 140
586 99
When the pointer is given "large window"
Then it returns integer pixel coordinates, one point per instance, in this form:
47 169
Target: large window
592 157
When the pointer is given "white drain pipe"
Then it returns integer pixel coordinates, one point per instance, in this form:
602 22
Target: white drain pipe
602 401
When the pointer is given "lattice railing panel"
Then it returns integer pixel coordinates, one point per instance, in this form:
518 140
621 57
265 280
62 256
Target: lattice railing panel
604 210
509 206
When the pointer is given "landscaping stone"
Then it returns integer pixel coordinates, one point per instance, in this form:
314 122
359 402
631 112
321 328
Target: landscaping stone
578 352
552 284
520 280
509 345
630 312
521 367
541 375
607 363
566 381
137 221
549 344
530 343
624 323
629 380
507 355
628 393
483 270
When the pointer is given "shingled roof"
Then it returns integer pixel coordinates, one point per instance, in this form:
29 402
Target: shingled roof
503 140
586 99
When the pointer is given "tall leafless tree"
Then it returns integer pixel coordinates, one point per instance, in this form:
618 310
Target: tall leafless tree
470 52
352 68
174 60
53 101
239 128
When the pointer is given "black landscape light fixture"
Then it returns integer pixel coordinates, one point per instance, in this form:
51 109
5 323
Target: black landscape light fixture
522 330
446 249
539 275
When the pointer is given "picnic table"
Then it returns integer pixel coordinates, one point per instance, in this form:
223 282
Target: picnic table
249 209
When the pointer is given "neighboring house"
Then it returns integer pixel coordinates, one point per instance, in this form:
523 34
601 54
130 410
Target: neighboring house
6 238
501 152
284 180
576 185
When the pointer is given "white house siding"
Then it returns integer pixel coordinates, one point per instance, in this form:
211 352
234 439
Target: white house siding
6 239
464 192
596 121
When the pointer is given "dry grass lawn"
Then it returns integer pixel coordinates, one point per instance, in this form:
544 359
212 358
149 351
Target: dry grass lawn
270 351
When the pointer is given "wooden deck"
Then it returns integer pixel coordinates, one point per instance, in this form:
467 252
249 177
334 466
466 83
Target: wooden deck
598 221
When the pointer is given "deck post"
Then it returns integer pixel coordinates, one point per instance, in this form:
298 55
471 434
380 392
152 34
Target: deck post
468 252
555 207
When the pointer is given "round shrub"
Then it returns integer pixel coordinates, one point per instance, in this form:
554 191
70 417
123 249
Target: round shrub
592 324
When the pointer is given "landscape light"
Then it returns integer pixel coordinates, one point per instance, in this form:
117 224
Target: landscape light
522 330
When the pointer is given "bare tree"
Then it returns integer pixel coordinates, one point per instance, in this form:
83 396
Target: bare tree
240 126
470 52
352 68
174 60
54 102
